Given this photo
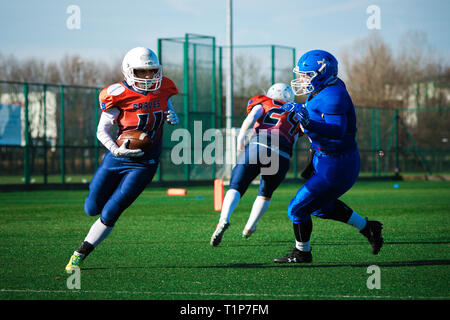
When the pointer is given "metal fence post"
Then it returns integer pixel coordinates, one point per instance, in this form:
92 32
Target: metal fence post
186 96
219 90
396 143
294 61
159 171
26 136
378 144
372 126
44 88
213 100
272 76
160 51
296 146
194 77
96 144
62 143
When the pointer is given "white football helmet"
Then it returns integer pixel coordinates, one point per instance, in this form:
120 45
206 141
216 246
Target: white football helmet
282 92
141 58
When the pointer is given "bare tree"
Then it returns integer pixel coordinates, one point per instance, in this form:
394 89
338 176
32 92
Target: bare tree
70 70
375 76
249 80
371 71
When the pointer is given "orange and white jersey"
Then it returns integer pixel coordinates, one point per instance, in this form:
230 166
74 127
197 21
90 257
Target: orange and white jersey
141 111
275 118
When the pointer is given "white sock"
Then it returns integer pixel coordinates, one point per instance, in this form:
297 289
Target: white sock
260 206
303 246
97 233
357 221
230 202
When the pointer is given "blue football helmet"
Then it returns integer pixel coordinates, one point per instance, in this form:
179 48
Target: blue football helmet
314 70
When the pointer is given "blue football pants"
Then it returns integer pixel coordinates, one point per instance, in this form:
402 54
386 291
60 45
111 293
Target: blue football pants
249 166
115 186
332 178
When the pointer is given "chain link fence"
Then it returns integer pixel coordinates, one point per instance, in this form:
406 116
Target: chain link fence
48 132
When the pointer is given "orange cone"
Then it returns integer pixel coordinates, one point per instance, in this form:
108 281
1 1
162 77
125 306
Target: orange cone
176 192
218 194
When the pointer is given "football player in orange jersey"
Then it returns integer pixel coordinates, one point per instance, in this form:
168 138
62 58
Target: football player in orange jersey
267 118
141 101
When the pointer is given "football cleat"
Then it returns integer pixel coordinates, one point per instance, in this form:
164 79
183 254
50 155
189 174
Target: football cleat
296 256
247 233
372 231
216 237
74 263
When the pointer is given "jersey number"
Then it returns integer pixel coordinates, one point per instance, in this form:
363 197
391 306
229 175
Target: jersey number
143 121
294 122
268 119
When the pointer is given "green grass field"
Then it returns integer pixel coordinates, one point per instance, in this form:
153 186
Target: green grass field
159 249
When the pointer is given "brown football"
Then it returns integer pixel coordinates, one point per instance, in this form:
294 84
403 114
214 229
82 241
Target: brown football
138 140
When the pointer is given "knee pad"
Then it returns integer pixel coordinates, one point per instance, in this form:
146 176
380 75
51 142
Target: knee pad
265 190
299 218
91 208
298 209
240 180
238 187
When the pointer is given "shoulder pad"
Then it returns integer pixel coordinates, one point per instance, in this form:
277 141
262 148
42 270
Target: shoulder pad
256 100
109 96
115 89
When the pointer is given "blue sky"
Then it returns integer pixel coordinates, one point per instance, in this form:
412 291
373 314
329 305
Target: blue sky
110 28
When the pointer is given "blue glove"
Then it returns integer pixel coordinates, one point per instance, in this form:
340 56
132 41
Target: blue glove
300 110
292 107
303 117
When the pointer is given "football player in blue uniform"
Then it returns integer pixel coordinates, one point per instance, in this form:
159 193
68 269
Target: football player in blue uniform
328 118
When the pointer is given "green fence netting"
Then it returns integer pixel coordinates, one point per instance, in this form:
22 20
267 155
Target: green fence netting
48 132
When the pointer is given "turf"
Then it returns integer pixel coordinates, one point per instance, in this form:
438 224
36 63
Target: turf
159 249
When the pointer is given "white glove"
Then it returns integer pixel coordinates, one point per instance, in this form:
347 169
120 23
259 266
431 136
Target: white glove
172 117
124 152
241 143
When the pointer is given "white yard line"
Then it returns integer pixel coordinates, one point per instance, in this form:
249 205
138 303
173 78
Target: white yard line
281 296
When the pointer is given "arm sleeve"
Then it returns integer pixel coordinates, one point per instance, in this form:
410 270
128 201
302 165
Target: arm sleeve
170 105
255 114
107 119
334 127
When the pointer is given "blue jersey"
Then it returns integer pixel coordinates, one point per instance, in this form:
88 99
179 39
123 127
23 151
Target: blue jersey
332 125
